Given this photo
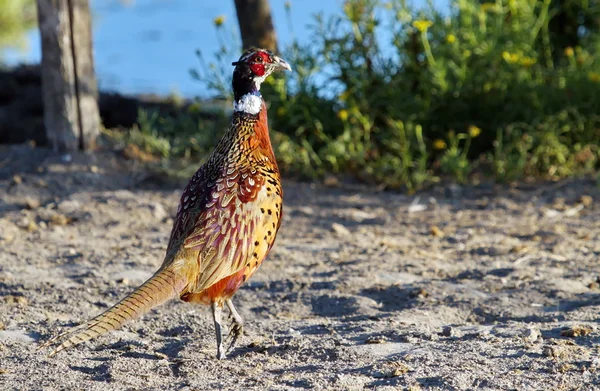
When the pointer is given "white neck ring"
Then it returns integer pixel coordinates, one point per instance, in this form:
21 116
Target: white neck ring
249 103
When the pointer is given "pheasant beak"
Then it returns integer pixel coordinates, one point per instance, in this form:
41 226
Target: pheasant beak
280 65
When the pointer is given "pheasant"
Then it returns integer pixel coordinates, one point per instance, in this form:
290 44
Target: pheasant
226 222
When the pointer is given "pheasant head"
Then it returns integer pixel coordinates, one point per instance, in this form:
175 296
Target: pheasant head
253 67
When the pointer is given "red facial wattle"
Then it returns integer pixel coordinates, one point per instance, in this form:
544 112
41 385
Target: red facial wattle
257 64
258 68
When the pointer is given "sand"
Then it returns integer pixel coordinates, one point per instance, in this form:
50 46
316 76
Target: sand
488 287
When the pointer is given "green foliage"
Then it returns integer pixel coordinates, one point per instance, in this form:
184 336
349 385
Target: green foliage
170 143
492 88
16 18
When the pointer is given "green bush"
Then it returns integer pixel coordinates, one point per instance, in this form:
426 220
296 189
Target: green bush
16 18
494 88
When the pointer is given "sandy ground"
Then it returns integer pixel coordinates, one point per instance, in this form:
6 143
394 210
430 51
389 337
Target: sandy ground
457 288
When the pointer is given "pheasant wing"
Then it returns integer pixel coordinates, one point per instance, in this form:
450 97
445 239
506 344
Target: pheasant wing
225 230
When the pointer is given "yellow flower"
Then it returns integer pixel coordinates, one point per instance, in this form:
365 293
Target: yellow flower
422 25
451 38
510 58
219 20
593 76
527 61
569 52
343 115
439 144
474 131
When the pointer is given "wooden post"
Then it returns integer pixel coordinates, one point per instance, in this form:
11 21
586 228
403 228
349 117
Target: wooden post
70 91
256 24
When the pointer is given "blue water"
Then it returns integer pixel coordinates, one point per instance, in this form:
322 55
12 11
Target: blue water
148 46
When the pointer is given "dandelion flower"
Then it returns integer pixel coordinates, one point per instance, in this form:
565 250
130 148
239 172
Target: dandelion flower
219 20
569 52
451 38
439 144
343 115
510 58
422 25
474 131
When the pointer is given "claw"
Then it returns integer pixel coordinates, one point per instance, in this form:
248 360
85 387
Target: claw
236 328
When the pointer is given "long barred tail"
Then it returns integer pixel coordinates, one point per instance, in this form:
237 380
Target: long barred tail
161 287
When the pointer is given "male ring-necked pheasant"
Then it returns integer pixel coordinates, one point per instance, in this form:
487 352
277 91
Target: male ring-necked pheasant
226 222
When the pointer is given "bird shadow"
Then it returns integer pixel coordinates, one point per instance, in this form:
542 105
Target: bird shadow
100 373
173 347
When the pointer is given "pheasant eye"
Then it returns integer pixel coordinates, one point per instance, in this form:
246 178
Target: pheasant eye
258 59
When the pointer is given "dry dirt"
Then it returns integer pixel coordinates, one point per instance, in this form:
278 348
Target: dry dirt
457 288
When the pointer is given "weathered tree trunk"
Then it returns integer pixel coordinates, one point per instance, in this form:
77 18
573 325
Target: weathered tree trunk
70 91
256 24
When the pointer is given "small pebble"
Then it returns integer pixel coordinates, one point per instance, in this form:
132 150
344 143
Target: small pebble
59 219
340 229
532 334
375 340
435 231
594 284
31 203
519 248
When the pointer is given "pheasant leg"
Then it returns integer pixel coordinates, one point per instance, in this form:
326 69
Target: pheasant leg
237 325
216 312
